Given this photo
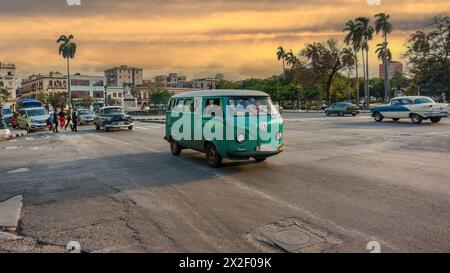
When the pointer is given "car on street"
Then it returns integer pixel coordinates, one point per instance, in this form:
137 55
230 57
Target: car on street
32 119
246 124
416 108
7 115
342 108
113 117
85 116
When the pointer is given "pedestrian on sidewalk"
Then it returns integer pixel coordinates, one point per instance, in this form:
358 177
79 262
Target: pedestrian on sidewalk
75 120
62 119
55 121
69 120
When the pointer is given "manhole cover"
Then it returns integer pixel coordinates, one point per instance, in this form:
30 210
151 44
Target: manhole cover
292 237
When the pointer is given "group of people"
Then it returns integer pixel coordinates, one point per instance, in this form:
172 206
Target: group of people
64 120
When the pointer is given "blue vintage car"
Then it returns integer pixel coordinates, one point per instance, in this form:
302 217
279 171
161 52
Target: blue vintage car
416 108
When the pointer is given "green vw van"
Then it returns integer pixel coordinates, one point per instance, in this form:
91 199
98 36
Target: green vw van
230 124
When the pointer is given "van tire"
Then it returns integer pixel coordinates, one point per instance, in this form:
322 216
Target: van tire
175 148
260 159
213 158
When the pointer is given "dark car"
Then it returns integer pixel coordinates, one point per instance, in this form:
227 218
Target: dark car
113 117
342 108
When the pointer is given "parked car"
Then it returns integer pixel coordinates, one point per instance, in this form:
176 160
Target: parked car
242 113
112 117
7 115
342 108
85 116
32 119
416 108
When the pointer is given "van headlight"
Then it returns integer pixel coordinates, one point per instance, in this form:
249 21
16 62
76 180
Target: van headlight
240 138
279 136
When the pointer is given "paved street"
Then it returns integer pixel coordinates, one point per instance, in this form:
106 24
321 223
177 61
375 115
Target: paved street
347 181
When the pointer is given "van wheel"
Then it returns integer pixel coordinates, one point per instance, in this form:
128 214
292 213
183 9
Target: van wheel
378 117
416 119
175 148
327 113
260 159
212 156
435 120
130 128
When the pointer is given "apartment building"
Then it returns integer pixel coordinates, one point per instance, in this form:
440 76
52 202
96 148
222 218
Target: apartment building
8 77
124 75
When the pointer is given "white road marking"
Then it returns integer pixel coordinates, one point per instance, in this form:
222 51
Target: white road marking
20 170
142 128
29 138
12 147
13 140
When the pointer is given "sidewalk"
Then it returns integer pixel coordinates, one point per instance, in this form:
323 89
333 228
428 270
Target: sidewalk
7 134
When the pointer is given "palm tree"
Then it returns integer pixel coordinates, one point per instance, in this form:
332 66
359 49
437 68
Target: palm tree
348 59
291 59
281 56
67 49
350 40
383 52
383 25
364 33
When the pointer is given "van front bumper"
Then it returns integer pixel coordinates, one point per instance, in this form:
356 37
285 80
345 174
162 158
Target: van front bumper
256 154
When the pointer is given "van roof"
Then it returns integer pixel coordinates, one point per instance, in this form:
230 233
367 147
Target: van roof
222 93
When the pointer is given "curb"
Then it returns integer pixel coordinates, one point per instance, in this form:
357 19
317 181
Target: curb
13 135
158 121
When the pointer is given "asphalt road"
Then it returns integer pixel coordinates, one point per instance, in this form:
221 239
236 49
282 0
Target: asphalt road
343 181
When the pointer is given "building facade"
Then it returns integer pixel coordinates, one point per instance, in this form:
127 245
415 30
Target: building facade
395 69
83 86
124 75
35 84
8 78
173 80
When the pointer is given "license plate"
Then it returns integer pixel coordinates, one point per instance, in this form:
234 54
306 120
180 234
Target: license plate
266 148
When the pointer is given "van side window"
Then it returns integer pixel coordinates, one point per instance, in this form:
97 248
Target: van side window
188 105
179 105
210 105
171 104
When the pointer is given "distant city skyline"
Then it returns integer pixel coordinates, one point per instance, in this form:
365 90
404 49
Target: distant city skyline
199 39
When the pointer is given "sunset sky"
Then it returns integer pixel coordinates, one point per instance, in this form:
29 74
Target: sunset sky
198 38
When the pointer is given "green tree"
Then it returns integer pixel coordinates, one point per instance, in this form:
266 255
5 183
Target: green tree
364 34
291 59
224 84
383 25
428 52
67 49
57 99
281 56
327 59
159 95
4 94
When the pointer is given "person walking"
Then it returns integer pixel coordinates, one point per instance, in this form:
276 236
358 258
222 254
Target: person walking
69 120
62 118
75 120
55 121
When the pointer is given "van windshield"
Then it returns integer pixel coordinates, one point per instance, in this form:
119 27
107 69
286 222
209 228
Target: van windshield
36 112
260 106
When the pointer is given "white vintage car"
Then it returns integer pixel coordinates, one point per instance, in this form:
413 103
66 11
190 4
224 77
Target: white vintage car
417 108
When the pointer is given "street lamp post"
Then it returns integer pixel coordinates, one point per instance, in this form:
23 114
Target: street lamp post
106 95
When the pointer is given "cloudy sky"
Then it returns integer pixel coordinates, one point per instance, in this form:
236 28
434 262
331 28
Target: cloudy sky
198 38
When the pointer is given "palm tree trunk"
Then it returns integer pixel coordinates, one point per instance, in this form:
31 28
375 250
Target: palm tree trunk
364 72
367 77
68 83
357 78
283 67
387 71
